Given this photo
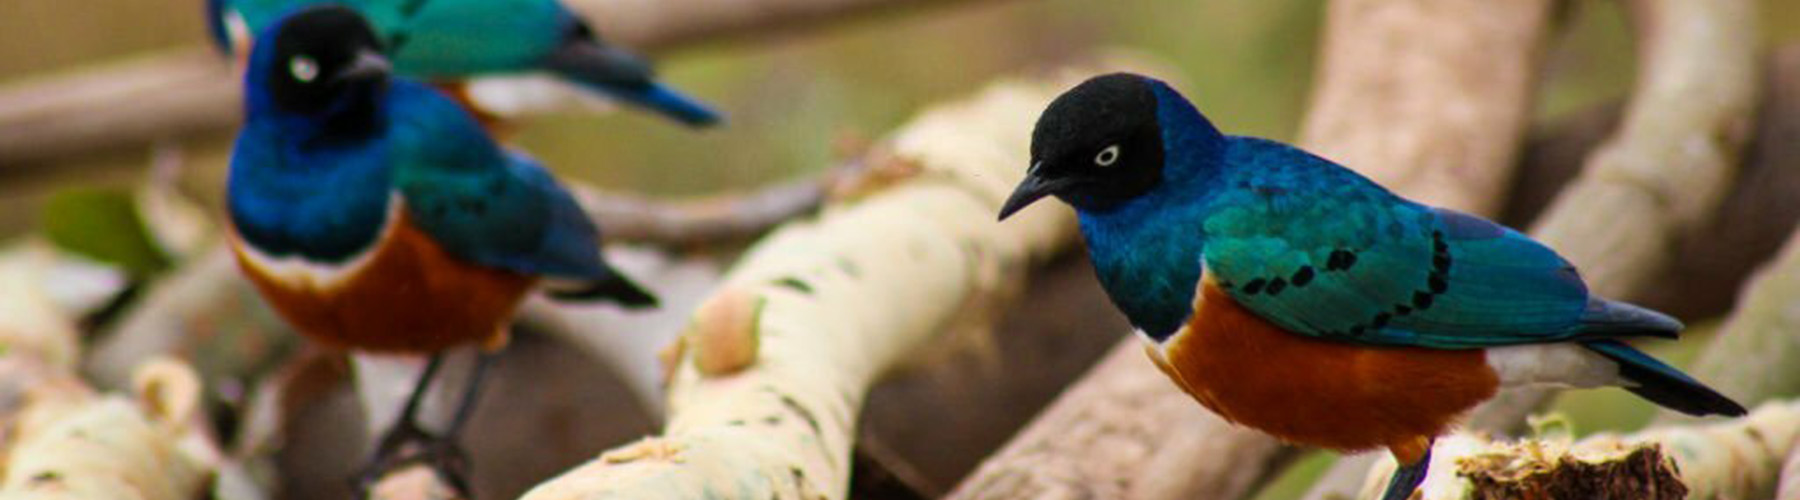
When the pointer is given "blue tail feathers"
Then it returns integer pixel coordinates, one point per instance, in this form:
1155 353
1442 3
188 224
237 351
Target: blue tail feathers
215 25
1663 384
662 99
1606 318
615 288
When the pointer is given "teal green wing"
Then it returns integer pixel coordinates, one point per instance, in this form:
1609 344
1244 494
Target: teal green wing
433 38
1323 252
481 203
451 38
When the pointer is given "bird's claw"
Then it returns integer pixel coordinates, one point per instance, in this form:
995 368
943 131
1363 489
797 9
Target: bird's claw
406 445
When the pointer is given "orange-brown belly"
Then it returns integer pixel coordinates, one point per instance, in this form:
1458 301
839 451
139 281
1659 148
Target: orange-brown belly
411 296
1320 393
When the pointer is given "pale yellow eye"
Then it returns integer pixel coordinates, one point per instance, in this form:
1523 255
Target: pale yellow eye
1108 156
303 68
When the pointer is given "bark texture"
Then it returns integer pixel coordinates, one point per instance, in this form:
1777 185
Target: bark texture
772 371
1739 458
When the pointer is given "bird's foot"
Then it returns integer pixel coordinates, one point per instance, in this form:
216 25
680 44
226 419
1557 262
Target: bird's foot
1407 478
407 445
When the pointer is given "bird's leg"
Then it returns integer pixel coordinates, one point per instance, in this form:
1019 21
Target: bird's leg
1409 475
443 453
405 430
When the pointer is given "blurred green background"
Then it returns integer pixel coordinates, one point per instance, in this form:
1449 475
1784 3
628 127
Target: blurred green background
796 99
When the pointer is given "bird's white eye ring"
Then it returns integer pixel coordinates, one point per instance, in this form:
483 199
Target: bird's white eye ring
303 68
1108 156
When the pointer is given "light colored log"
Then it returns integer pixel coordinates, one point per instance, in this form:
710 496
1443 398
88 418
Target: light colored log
58 437
194 90
1667 167
1428 97
818 310
1740 458
1787 487
72 443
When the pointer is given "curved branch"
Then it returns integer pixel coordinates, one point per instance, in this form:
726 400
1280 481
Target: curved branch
1665 170
710 220
189 91
773 369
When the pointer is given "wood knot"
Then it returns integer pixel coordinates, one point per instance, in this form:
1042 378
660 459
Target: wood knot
723 335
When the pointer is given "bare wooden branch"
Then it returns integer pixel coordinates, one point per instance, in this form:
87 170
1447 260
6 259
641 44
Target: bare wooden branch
1665 169
819 309
1080 449
137 101
654 24
61 439
1427 97
1712 260
1757 354
1650 216
710 220
1741 458
189 91
1788 485
1668 166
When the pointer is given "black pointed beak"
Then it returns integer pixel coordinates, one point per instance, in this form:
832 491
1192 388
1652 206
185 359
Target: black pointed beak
368 65
1030 190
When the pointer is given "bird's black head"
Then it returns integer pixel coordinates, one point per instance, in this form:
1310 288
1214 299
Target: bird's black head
1096 146
321 61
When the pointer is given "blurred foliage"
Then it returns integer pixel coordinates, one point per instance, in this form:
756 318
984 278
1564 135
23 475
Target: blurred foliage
103 224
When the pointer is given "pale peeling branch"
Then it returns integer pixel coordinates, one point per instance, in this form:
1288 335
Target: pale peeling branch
1741 458
194 90
1788 485
1665 169
1426 96
61 439
772 371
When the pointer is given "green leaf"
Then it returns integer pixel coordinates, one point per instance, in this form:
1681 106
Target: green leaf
102 224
